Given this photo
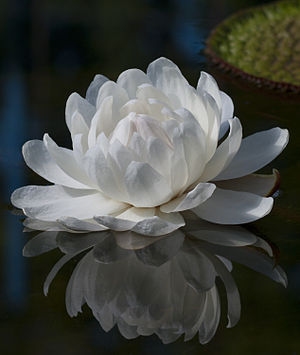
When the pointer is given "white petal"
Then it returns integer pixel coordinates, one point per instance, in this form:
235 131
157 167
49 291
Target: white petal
259 184
189 135
131 79
208 84
93 89
50 203
255 152
99 169
78 125
40 161
159 156
76 103
127 219
145 186
143 221
110 88
146 91
234 207
191 199
227 113
77 225
66 160
154 69
35 224
225 152
102 121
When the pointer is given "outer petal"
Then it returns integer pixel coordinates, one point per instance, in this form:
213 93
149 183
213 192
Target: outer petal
143 221
191 199
93 89
49 203
255 152
208 84
225 152
234 207
78 225
227 113
66 160
40 161
259 184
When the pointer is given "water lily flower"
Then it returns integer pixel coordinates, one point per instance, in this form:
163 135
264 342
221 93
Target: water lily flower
146 148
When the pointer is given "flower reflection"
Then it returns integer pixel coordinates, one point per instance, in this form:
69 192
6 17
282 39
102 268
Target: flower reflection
160 285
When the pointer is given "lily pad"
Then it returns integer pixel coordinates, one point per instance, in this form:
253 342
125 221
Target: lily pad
261 45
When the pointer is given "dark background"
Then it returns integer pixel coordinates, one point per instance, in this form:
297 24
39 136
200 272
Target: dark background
50 48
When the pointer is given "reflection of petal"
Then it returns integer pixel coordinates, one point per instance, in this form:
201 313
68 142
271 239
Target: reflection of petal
158 285
224 235
197 269
108 251
40 244
162 250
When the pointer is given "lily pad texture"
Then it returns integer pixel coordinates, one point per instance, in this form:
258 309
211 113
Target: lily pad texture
261 45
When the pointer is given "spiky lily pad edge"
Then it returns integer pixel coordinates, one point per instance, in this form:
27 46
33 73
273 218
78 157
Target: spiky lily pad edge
222 64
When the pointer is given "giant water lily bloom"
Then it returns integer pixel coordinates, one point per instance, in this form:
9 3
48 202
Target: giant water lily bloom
159 285
146 148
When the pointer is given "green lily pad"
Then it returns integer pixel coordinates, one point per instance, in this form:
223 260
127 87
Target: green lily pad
261 44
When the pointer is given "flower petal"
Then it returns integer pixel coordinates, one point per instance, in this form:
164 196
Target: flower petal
102 121
66 160
120 96
208 84
145 186
99 168
78 225
234 207
259 184
93 89
49 203
225 152
255 152
227 113
40 161
76 103
189 200
130 80
143 221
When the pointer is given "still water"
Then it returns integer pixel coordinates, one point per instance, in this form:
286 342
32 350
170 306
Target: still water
49 51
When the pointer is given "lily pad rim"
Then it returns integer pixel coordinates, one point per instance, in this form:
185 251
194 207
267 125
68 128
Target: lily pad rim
223 64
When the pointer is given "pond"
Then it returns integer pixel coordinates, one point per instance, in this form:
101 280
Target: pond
49 51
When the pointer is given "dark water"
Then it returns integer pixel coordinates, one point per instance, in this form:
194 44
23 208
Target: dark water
50 49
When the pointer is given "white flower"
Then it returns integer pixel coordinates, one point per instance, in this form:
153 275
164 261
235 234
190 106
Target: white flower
145 149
